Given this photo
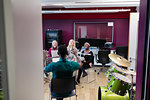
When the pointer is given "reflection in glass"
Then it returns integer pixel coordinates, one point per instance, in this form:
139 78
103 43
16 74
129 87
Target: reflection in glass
99 30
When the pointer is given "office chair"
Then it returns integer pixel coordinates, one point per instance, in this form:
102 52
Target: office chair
122 51
63 86
103 58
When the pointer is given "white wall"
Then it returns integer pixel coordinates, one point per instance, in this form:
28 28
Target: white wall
23 24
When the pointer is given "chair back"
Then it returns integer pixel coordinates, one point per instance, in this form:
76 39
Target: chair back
62 86
103 56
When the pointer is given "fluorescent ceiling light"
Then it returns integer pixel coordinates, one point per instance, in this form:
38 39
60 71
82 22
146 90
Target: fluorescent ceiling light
58 4
88 0
84 5
84 11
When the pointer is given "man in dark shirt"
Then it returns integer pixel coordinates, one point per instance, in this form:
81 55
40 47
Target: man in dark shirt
63 68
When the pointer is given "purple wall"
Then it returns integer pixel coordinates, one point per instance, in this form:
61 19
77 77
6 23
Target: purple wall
121 28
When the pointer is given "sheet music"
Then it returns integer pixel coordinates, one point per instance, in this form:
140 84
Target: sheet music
54 53
55 59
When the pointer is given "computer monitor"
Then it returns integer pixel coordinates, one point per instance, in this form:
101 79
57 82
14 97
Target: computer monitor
93 42
122 51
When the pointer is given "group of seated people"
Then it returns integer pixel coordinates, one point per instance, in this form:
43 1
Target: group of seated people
69 61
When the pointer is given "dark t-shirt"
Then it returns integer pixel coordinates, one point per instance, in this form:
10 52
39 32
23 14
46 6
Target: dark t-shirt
62 69
88 57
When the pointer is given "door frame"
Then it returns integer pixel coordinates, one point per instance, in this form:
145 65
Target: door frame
3 53
143 49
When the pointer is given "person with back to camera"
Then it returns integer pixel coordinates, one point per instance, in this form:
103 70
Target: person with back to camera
62 66
87 62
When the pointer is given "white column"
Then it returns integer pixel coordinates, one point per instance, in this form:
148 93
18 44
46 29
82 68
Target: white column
133 39
23 26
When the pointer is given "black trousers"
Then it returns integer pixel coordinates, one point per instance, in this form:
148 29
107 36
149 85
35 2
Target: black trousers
82 69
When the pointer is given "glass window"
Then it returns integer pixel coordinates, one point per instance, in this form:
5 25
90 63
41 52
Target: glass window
100 30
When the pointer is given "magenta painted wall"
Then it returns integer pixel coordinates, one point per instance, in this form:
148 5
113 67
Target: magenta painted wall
121 29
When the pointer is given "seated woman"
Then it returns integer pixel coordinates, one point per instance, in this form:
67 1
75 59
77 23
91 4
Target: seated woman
72 51
53 48
60 68
52 52
87 62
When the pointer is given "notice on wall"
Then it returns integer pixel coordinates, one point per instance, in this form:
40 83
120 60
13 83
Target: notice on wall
110 23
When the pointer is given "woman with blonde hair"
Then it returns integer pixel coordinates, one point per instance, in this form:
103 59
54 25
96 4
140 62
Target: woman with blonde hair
72 51
72 47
